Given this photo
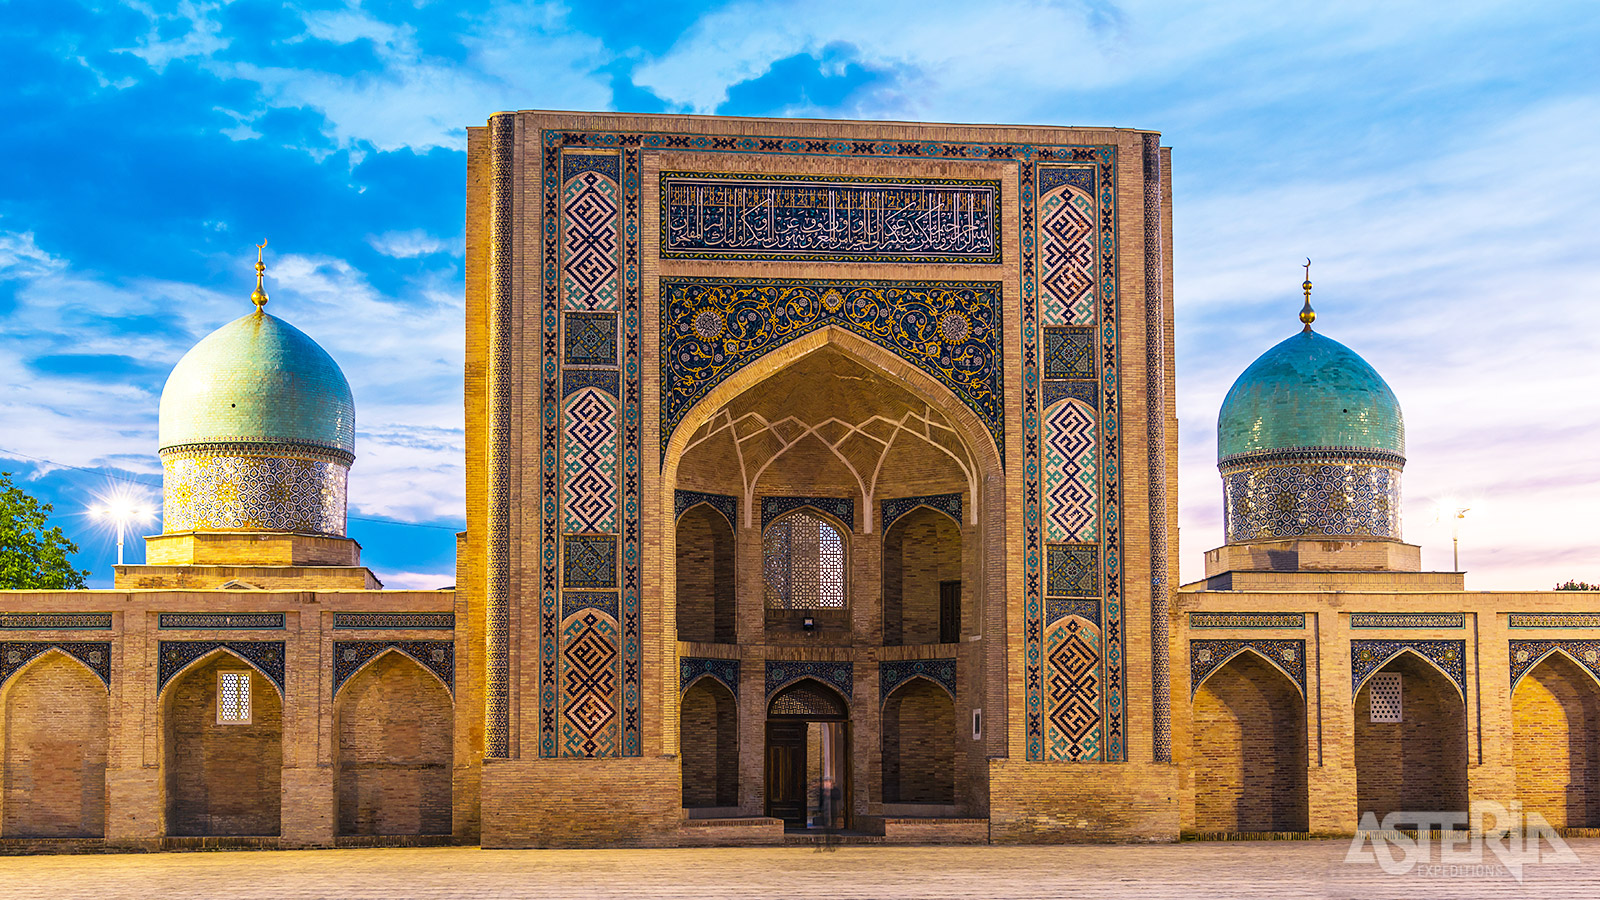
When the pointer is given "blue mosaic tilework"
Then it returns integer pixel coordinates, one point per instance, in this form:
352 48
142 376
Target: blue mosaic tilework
56 621
591 339
574 380
894 673
1069 353
1549 620
575 164
14 655
1052 177
1367 657
1071 474
573 601
949 504
1058 608
591 681
1085 392
683 501
501 387
841 508
220 620
589 232
589 463
1073 570
782 673
1408 620
1206 656
394 620
1343 498
1527 654
210 491
714 215
590 561
1076 673
1246 620
438 657
690 668
713 327
173 656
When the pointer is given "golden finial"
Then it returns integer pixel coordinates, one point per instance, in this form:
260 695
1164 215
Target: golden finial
1307 314
259 298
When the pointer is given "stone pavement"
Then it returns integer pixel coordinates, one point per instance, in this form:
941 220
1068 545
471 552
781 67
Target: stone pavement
1276 870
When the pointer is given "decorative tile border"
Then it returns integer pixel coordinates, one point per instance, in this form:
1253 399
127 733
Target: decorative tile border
1367 657
1527 654
1408 620
56 621
782 673
220 621
1553 620
949 504
1058 608
573 601
894 673
1246 620
683 501
95 654
1206 656
691 668
438 657
841 508
394 620
173 656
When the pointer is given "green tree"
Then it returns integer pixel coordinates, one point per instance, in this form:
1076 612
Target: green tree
33 555
1577 586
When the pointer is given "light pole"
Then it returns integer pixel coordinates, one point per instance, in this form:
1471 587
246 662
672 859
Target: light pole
1455 535
122 510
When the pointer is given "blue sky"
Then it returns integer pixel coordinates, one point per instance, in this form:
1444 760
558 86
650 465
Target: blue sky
1436 161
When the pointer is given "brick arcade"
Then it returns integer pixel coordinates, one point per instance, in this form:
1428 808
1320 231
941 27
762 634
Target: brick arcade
795 450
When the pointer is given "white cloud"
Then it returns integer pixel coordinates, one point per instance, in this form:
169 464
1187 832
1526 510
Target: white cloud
410 244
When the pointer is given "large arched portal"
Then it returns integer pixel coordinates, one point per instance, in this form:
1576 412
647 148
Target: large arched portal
55 750
394 721
224 750
1411 752
1249 749
1555 722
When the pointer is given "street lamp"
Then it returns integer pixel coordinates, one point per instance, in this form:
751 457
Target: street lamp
1455 535
122 509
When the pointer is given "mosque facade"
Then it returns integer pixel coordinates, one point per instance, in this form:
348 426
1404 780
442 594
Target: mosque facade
819 475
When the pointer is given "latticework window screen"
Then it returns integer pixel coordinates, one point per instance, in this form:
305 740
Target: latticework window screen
1383 697
233 697
802 557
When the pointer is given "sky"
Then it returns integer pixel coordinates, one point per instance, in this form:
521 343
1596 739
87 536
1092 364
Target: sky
1437 162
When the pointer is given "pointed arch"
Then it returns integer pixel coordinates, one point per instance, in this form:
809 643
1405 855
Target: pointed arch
394 738
1074 690
1418 761
1554 650
919 745
222 778
708 505
819 699
921 557
798 574
1555 739
57 650
1448 676
919 677
708 740
1249 746
210 656
449 689
56 743
1273 664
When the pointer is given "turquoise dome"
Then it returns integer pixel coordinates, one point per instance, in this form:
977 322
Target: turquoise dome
1309 392
258 379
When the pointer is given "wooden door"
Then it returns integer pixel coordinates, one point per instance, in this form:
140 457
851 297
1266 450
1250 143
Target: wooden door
786 772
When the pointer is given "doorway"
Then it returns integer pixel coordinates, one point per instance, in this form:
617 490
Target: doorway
808 750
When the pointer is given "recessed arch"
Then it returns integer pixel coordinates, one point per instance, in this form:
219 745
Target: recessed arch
449 689
1255 652
702 677
55 749
222 778
705 543
1420 761
1249 747
919 746
1555 740
708 718
1556 651
210 656
1412 652
805 561
808 691
921 677
393 735
49 652
921 572
708 505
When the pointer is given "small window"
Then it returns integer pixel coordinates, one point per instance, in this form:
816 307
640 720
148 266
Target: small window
977 724
1383 697
233 698
802 557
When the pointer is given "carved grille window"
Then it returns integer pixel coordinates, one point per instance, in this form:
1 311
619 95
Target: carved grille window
233 698
809 700
802 557
1383 697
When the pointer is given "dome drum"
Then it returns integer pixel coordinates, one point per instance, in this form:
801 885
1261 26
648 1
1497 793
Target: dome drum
1335 496
217 488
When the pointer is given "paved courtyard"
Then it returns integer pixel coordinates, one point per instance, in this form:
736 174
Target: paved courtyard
1277 870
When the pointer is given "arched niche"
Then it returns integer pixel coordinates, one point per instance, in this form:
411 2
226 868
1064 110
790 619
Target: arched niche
222 778
705 576
1420 762
919 744
807 781
1555 725
56 727
1249 749
394 722
922 565
709 737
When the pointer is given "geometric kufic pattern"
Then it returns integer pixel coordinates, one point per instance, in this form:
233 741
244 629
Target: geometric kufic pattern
591 678
438 657
591 339
1527 654
949 504
1067 255
1069 473
782 673
589 463
1072 570
1046 228
206 492
894 673
590 243
591 561
691 668
265 656
1336 497
94 654
1068 353
1367 657
1073 733
1206 656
